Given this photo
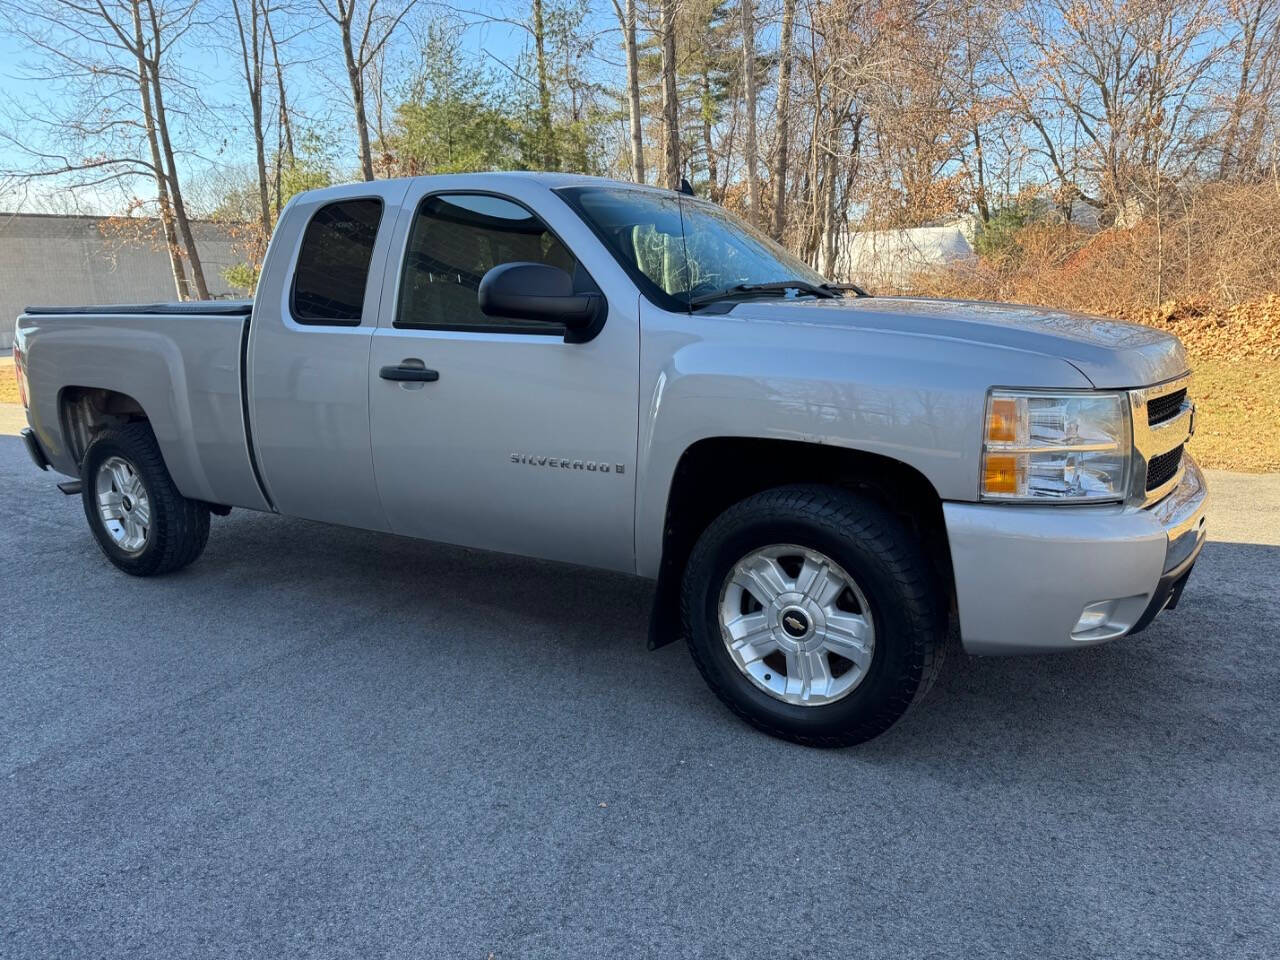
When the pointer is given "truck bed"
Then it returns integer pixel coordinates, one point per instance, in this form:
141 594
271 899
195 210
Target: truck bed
218 308
180 364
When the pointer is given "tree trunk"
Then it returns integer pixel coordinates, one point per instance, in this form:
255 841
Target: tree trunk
251 52
356 78
749 147
162 188
166 145
284 132
813 228
830 228
784 112
286 125
713 175
984 208
1228 163
670 99
627 21
545 149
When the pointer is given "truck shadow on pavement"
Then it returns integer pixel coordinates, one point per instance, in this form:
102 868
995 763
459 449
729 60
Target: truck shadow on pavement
316 732
1164 691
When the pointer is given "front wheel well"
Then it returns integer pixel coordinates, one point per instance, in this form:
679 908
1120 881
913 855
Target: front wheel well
87 411
714 474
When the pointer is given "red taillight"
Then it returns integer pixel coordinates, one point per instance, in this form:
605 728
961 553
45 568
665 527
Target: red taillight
18 367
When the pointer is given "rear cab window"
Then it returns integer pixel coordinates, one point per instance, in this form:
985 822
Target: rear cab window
333 263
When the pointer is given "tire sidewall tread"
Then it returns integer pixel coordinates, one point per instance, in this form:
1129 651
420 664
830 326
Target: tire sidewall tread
879 553
179 527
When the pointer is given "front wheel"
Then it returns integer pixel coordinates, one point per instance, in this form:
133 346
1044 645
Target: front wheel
141 521
812 613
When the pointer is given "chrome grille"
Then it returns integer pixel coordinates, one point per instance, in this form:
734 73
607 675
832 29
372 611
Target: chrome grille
1162 423
1160 409
1162 468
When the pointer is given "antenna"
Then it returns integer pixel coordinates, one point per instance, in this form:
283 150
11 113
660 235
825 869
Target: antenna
686 187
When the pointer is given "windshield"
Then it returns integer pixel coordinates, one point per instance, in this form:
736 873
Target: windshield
679 248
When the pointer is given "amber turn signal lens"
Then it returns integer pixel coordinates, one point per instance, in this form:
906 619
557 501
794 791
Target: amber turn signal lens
1002 420
1000 474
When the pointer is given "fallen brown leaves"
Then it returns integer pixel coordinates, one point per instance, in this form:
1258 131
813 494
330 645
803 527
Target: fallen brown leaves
1240 332
1210 275
1237 415
8 384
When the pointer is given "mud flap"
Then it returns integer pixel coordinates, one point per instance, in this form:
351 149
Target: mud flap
664 616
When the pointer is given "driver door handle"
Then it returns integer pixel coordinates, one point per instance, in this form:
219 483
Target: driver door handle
408 374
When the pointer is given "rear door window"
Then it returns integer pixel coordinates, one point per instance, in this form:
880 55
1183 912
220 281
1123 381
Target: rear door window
333 264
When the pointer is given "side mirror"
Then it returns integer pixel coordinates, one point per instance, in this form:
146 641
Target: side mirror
539 291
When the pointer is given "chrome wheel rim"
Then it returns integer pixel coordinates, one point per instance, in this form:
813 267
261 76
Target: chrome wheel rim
796 625
123 504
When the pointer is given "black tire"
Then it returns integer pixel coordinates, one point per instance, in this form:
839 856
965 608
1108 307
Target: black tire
905 596
178 529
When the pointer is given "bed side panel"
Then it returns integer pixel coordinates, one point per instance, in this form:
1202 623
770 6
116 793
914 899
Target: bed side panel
183 370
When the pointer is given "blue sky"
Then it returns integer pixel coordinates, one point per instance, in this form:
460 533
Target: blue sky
221 141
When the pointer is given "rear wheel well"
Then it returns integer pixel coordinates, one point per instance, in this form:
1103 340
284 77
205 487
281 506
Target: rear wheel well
714 474
87 411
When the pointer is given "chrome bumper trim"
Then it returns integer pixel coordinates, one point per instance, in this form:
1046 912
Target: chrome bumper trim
1024 574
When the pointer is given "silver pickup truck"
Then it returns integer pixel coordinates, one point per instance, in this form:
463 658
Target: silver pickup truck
819 481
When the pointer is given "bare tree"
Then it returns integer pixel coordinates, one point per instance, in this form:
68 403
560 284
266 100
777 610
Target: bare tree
162 185
284 153
110 62
1129 75
545 139
364 33
779 176
163 29
251 32
1253 102
627 22
286 121
670 99
750 149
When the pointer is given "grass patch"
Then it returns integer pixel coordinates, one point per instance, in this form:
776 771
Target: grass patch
8 384
1237 415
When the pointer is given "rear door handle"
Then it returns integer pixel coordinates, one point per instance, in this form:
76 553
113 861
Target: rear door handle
408 374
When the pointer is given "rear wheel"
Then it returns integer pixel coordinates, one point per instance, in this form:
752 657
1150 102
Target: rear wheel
812 613
140 520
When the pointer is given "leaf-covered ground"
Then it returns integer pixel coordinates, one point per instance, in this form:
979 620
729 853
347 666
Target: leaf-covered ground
8 385
1237 415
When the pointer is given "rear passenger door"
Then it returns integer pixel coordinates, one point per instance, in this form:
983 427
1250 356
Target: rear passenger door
308 373
519 441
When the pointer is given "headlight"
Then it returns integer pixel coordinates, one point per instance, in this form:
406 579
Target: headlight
1065 447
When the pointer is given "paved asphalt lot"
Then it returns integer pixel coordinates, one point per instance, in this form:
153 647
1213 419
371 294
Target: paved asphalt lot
325 743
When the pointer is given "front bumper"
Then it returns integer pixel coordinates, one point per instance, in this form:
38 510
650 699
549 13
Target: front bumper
1025 574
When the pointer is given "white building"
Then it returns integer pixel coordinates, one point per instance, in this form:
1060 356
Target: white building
885 260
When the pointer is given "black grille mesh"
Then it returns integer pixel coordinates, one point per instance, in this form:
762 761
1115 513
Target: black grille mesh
1160 470
1165 408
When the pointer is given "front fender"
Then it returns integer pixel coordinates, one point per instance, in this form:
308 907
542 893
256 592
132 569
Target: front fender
914 399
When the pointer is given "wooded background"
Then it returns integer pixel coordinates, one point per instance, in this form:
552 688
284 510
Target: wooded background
1050 123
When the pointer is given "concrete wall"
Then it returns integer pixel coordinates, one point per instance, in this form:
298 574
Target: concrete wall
56 260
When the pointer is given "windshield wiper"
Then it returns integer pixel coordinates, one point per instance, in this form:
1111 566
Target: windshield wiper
781 286
852 287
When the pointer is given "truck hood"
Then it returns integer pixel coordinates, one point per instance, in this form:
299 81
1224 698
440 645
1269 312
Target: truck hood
1111 353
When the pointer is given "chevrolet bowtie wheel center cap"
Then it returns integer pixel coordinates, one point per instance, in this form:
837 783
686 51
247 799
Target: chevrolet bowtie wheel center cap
795 623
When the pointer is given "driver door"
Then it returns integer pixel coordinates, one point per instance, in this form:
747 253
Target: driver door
509 439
